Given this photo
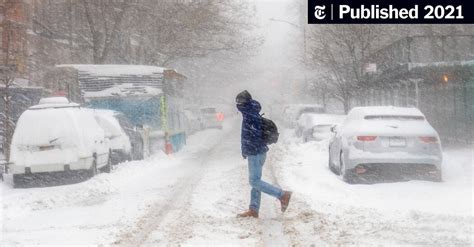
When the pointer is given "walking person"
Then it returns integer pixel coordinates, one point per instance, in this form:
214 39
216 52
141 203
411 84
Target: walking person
254 149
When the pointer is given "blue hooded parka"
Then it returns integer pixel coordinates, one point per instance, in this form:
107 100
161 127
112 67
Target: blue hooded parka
251 135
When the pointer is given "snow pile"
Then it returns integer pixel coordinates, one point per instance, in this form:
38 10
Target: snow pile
435 213
304 166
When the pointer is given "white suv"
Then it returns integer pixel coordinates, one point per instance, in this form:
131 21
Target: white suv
57 136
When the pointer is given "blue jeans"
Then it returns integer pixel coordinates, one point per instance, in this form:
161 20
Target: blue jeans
255 178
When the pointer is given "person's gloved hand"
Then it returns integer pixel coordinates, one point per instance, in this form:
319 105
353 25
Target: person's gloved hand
244 156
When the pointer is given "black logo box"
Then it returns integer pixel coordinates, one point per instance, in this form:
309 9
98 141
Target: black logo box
330 14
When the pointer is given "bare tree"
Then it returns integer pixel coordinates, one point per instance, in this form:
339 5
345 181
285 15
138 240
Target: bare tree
168 31
104 20
340 51
12 51
145 31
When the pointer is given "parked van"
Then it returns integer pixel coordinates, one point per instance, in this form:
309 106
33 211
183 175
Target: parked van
57 136
126 142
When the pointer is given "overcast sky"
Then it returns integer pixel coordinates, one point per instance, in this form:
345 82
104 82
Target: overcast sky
278 56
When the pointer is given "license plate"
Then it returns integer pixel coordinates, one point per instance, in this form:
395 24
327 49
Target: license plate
397 142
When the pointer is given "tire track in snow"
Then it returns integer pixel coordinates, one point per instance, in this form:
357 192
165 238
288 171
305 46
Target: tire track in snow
273 230
180 221
301 224
209 218
178 225
160 212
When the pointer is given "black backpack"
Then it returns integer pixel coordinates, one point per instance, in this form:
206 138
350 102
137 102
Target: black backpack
269 131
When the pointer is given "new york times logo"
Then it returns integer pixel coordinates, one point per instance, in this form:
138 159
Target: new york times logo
390 11
319 12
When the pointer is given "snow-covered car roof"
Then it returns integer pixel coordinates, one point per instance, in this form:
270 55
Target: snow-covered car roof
361 112
54 102
387 121
66 125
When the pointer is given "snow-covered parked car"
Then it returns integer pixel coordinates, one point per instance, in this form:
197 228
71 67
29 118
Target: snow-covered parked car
124 139
210 118
57 137
292 112
317 127
385 141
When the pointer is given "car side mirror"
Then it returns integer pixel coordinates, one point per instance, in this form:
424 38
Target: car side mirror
334 128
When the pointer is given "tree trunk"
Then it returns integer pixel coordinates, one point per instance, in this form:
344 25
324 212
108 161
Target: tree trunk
8 134
347 105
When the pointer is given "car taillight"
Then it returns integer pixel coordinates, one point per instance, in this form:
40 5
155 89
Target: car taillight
429 139
366 138
220 116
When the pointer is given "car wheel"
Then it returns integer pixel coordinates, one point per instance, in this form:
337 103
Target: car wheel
108 167
94 171
438 177
18 181
343 172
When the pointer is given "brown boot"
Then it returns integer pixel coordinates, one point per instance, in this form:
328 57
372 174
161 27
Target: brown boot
285 200
248 213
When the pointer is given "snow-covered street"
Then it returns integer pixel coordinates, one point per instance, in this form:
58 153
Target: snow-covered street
236 123
192 198
413 212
